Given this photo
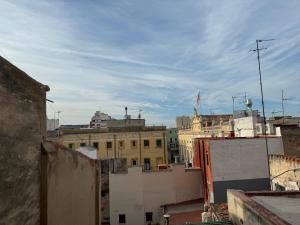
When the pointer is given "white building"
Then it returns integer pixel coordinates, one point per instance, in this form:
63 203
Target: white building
52 124
99 120
248 123
136 197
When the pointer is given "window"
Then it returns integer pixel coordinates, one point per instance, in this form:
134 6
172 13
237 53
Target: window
133 143
108 144
96 145
147 164
134 162
171 140
122 218
71 145
170 132
121 144
148 216
82 144
175 139
146 143
158 143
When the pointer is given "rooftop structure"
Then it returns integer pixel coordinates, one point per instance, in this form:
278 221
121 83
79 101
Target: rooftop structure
183 122
276 208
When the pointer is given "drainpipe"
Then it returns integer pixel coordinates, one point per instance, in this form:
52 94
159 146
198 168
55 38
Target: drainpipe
115 145
140 147
164 138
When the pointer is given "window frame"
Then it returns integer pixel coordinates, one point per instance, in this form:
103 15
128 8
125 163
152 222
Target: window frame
82 144
97 144
148 141
109 142
147 215
158 140
123 216
71 145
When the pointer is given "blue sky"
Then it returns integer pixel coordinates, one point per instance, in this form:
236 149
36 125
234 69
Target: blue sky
154 55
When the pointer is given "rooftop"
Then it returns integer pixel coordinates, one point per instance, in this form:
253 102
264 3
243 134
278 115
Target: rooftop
114 129
274 207
285 206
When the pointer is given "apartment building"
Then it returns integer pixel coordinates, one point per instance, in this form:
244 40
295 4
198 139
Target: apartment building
140 145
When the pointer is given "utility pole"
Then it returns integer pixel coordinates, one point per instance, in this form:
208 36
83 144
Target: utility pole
262 97
282 105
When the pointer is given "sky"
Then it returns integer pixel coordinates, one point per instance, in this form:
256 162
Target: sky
154 55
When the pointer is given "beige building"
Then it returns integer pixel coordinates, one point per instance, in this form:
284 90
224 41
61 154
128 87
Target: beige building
202 126
144 145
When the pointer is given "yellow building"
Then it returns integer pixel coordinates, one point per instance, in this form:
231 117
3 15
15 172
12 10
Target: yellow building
202 126
145 146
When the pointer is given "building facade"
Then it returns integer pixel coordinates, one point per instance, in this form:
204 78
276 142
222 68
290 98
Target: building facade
99 120
52 124
202 126
136 197
22 131
140 146
236 163
173 146
183 122
248 123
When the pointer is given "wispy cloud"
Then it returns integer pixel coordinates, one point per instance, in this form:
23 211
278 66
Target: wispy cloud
153 55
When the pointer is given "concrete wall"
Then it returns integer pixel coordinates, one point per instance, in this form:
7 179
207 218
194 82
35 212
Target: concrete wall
242 158
22 130
240 164
287 172
245 126
73 193
136 192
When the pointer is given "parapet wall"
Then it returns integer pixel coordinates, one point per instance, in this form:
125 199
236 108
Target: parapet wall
286 171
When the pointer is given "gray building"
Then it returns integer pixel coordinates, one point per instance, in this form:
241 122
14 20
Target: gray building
173 146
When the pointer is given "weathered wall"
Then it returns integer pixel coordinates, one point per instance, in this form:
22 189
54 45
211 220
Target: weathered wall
22 129
73 192
291 140
263 208
287 171
245 126
243 213
136 192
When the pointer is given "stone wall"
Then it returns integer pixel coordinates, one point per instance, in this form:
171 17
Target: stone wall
22 130
285 172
